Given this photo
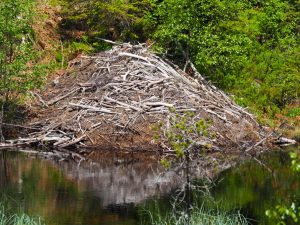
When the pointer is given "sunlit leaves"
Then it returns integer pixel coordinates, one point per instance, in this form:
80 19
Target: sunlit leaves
282 213
182 131
18 73
295 161
246 47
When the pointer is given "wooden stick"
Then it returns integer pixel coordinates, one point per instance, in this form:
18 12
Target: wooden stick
92 108
20 126
72 142
260 142
158 104
59 98
123 104
39 98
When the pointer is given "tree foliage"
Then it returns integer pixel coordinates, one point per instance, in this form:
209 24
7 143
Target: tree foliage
248 48
18 73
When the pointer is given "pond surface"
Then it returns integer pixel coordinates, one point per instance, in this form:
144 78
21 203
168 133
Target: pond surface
111 193
252 189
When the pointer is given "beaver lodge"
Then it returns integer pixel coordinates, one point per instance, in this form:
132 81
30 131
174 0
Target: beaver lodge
110 100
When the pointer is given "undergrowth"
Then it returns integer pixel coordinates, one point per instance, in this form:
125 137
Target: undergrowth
8 218
199 216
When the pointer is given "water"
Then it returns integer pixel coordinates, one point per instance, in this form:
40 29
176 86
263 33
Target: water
64 193
109 193
252 189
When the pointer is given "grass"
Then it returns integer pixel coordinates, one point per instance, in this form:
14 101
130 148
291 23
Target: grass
7 218
205 211
200 216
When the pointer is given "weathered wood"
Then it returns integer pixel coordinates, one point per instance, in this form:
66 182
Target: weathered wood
20 126
73 142
158 104
122 103
59 98
92 108
133 56
284 141
41 100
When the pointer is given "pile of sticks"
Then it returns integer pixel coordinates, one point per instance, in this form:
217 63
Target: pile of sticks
120 93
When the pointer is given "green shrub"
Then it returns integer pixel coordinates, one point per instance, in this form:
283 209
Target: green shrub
18 69
248 48
293 112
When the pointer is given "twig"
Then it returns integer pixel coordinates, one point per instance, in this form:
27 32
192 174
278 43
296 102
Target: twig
59 98
109 41
72 142
122 103
260 142
20 126
92 108
40 99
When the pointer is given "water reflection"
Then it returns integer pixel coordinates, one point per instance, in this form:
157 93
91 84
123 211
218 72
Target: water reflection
3 170
65 193
253 189
122 183
114 193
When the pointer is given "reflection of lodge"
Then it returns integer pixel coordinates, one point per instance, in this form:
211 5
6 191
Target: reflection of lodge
111 183
123 184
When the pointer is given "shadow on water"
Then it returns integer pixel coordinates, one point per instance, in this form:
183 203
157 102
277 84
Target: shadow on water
107 193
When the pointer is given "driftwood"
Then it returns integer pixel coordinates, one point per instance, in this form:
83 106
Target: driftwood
284 141
115 96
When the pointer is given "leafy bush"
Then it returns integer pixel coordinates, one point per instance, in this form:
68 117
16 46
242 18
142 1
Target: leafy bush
248 48
183 132
18 71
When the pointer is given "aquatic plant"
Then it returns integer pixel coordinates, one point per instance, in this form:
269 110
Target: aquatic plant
204 210
19 72
7 218
200 216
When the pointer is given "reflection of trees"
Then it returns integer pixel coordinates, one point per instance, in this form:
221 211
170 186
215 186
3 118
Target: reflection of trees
254 190
3 169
